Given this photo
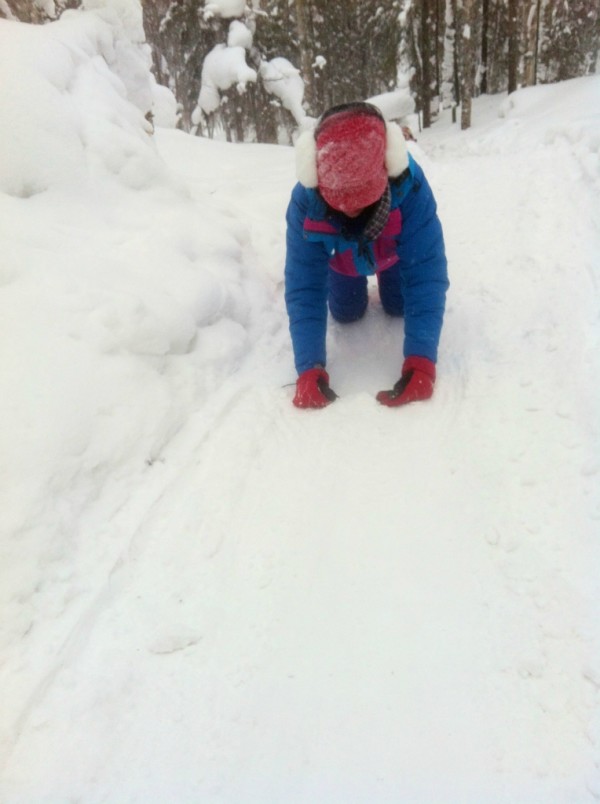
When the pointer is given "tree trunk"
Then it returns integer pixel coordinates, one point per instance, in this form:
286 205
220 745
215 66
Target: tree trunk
426 59
467 48
513 46
484 45
306 53
532 29
448 94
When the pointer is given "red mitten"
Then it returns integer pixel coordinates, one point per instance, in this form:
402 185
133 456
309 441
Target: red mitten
416 383
312 389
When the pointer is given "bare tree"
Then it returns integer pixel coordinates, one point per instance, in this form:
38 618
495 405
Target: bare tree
427 31
485 16
513 45
307 57
467 19
531 27
449 58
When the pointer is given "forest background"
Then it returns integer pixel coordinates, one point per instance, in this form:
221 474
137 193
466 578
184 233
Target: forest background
253 71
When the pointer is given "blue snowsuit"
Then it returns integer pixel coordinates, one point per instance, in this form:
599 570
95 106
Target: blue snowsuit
327 260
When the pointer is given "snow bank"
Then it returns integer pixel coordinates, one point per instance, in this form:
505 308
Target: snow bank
563 117
531 116
123 305
72 102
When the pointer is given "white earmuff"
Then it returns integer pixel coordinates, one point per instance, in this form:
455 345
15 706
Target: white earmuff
306 159
396 152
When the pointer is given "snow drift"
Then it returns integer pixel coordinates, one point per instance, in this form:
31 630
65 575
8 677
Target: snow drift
123 305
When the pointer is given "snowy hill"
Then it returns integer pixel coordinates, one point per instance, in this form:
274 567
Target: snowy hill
208 595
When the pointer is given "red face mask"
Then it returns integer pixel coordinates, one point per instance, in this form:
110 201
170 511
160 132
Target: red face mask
351 167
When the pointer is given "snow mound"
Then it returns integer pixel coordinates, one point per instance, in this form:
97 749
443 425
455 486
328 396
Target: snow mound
576 126
124 304
78 107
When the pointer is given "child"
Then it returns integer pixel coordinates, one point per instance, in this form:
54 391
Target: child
362 207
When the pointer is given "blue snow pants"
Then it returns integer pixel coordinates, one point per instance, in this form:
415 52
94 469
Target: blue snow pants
348 297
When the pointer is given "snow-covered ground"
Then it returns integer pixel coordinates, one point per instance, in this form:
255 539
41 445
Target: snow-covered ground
207 595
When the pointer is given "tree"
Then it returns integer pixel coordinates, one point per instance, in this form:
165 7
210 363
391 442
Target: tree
419 50
466 9
348 51
483 83
427 49
513 46
180 38
305 45
531 28
569 39
448 80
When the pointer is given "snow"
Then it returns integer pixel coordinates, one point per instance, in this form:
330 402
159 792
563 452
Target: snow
223 68
224 8
124 15
239 35
395 105
208 595
282 79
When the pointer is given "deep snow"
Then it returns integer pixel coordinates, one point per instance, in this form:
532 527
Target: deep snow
208 595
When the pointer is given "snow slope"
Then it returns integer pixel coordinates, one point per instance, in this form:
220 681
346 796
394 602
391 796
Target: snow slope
208 595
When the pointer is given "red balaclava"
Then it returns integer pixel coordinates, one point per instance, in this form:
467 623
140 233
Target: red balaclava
351 166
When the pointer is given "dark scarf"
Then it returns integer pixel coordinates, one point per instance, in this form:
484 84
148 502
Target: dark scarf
371 221
379 215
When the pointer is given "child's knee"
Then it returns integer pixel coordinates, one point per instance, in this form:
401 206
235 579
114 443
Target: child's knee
348 298
348 313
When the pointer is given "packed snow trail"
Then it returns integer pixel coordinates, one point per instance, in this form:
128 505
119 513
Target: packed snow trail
350 605
300 653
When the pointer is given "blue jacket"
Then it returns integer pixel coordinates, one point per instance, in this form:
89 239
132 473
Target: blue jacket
412 239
